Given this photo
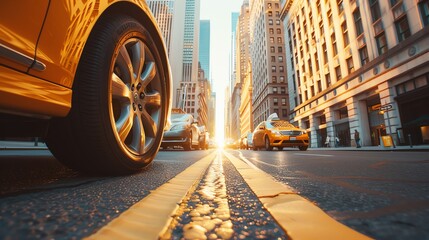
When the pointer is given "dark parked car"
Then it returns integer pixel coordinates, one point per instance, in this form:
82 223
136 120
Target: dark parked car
183 132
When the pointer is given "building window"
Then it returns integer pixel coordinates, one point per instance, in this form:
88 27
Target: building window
343 113
279 40
328 80
271 30
284 112
338 73
274 79
334 44
402 28
283 101
273 59
322 119
345 34
363 53
325 53
283 90
280 58
282 79
350 65
281 69
393 2
375 10
358 22
272 49
275 90
330 18
340 6
280 49
424 11
273 69
270 13
270 21
271 40
381 43
275 101
277 22
279 31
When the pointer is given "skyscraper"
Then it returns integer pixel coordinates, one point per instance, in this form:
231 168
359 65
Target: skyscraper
183 44
204 53
270 94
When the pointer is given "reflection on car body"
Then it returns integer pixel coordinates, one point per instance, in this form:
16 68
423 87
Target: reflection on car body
279 133
100 103
183 132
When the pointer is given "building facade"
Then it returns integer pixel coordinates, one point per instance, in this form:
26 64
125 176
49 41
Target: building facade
204 51
243 70
270 89
359 65
183 44
232 98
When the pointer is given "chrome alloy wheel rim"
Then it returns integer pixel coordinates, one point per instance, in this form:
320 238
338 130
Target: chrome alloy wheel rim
135 94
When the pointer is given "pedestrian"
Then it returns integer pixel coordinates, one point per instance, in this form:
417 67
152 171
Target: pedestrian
357 138
327 141
337 141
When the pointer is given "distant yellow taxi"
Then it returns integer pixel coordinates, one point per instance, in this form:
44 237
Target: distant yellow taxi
279 133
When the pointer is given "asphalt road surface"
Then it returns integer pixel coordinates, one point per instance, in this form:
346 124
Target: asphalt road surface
383 195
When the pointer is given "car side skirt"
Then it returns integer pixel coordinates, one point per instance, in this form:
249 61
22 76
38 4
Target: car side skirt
25 95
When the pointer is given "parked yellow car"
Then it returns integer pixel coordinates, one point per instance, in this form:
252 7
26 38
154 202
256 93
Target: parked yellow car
90 77
279 133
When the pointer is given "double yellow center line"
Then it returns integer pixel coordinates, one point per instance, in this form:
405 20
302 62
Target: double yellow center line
153 216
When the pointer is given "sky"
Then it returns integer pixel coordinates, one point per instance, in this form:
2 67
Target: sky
219 14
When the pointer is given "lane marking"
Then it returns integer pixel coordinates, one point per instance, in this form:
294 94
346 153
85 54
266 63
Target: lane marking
298 217
311 154
151 217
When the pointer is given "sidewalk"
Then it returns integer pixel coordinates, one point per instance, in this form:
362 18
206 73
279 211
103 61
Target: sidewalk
374 148
22 145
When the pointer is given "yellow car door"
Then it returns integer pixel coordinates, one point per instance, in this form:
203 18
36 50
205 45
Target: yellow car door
20 26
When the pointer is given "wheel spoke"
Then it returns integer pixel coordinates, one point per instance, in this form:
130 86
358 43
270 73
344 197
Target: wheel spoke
139 139
153 99
124 124
149 124
149 74
120 90
138 57
124 62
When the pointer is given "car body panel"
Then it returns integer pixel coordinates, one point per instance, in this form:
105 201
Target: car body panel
60 44
20 25
18 89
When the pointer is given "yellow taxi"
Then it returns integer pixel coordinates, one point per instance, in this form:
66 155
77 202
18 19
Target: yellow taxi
91 77
278 133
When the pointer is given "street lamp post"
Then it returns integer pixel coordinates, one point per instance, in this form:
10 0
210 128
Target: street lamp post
385 109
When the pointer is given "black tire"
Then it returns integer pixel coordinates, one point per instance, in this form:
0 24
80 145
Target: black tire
188 145
119 104
303 148
268 147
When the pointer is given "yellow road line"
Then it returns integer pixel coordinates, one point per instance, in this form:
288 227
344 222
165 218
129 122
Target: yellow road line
151 217
300 218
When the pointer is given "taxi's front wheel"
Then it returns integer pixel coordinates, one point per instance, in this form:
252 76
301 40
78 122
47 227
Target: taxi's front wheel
119 105
268 147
